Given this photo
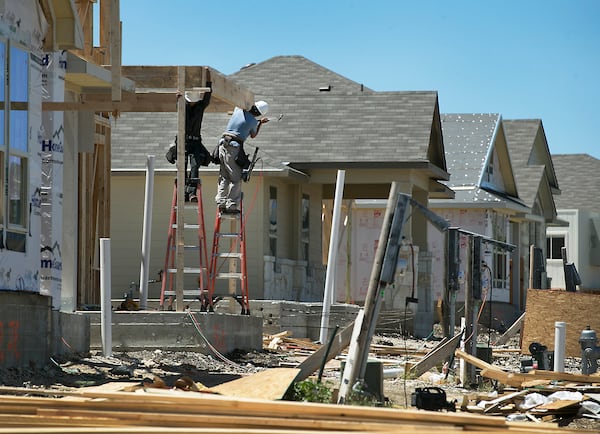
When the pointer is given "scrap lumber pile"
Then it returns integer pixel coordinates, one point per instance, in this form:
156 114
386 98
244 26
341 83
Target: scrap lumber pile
537 395
154 410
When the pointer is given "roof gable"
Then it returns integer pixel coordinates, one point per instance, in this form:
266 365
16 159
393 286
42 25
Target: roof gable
579 181
528 146
477 153
295 75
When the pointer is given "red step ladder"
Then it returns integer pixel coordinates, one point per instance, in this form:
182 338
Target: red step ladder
228 260
199 264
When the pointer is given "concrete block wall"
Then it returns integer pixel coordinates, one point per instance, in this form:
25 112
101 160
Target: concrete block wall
24 329
31 332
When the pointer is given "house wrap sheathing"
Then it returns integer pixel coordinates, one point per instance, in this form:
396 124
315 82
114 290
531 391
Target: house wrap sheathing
31 154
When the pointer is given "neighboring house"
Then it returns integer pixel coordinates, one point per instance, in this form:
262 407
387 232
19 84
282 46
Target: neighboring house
486 202
579 208
537 184
326 123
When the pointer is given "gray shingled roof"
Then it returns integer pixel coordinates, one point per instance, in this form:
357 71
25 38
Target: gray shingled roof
468 139
294 75
343 125
579 181
521 136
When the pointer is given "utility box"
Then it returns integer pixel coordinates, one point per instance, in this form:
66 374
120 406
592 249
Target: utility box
373 378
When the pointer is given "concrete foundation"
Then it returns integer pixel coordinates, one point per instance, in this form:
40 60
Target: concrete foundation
31 332
303 320
178 331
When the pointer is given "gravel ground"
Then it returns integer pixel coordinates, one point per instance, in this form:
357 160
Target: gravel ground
95 369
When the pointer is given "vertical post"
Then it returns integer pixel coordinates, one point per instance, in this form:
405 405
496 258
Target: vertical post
372 298
115 49
560 334
531 265
146 232
105 296
452 281
476 303
332 255
180 241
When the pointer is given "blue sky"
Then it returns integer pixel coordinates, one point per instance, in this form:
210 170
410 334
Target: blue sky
523 59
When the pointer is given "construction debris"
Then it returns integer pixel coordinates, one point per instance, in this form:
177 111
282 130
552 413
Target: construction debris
174 410
251 398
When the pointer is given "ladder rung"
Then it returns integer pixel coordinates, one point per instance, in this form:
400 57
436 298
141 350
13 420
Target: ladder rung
186 226
229 275
193 292
229 255
187 270
188 205
228 234
186 247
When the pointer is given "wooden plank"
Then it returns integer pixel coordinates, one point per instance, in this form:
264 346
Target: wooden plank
564 376
558 405
545 307
512 330
439 354
490 371
495 404
313 362
268 384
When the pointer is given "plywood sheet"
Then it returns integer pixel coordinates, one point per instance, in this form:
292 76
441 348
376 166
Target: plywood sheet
545 307
270 384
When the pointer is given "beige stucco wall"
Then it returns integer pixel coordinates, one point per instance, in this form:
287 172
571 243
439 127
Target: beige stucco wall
127 197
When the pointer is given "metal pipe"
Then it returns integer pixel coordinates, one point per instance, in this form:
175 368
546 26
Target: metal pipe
560 331
105 295
146 236
332 256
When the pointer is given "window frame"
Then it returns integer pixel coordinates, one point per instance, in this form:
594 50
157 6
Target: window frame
15 97
273 221
549 242
305 227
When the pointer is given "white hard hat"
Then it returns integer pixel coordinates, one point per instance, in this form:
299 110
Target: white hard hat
262 107
193 95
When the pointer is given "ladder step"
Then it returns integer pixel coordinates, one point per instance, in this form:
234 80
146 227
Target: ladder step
188 205
187 270
228 234
192 292
186 248
229 255
187 226
229 275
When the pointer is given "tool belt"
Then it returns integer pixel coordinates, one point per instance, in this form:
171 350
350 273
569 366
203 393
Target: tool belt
232 138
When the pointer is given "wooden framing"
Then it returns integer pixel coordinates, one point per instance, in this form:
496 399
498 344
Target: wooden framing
101 85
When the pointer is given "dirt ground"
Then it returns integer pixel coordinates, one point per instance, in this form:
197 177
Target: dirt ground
95 369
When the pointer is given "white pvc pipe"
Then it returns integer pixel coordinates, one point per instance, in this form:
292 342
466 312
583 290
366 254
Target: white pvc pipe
332 255
146 235
560 333
105 296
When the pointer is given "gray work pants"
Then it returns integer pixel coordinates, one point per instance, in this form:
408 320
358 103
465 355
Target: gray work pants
229 190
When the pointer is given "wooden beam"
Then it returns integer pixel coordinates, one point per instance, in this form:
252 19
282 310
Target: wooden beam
130 102
161 77
115 49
